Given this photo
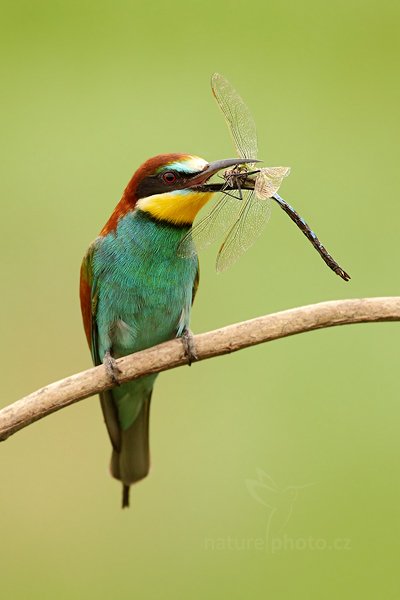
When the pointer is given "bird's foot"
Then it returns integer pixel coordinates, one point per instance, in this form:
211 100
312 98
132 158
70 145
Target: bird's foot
189 346
112 369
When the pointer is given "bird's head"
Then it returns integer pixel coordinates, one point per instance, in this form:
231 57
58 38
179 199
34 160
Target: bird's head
171 188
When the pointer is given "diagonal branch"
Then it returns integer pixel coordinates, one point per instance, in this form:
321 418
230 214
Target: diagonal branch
169 355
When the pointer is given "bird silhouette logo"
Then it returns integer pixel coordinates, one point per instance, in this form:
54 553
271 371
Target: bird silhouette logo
279 501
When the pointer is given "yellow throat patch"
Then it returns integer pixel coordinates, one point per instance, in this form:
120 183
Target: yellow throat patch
179 207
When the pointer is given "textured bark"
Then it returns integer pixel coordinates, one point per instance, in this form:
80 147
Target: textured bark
171 354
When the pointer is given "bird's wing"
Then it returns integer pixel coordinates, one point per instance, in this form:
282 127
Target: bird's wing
196 282
88 296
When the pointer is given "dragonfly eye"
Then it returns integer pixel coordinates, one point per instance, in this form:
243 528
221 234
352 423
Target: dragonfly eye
169 177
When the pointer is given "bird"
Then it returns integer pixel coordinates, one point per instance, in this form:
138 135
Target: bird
136 291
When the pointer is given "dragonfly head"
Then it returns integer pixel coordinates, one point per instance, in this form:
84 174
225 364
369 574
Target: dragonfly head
173 187
220 165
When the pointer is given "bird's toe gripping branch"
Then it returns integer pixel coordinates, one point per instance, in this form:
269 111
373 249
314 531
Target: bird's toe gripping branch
113 371
189 346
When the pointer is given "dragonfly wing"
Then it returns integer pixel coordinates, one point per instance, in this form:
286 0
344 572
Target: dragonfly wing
269 180
237 115
211 227
250 222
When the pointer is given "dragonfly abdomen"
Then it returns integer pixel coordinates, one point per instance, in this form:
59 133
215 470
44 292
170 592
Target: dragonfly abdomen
310 235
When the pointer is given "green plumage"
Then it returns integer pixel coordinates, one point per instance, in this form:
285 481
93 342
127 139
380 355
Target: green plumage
141 295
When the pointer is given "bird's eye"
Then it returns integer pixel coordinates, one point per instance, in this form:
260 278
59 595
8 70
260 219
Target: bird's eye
169 177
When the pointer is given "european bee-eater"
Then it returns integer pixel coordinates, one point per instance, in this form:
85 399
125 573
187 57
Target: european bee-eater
136 291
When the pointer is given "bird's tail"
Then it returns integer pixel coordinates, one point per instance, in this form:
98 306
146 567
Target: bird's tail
125 495
130 459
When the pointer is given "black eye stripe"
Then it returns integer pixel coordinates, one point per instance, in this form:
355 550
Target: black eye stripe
157 184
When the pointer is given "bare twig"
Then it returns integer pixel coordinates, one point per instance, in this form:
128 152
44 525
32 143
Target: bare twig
166 356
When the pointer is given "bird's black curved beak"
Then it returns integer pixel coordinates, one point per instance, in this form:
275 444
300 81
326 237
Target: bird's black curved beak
212 168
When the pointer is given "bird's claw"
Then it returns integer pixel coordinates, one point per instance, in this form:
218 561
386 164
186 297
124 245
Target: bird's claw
112 369
189 346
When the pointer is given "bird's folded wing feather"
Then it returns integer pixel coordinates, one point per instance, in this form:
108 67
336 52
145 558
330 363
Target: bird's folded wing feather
196 283
88 296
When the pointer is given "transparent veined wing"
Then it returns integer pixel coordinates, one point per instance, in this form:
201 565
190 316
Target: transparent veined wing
268 181
253 216
211 227
238 116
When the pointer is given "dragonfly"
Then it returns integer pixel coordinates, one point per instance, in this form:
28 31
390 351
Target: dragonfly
240 216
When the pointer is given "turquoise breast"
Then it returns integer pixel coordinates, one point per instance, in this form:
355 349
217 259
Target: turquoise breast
145 295
146 288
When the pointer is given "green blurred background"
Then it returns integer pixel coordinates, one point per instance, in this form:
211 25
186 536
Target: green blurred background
89 91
